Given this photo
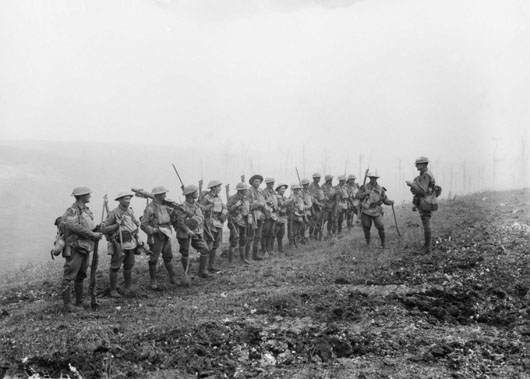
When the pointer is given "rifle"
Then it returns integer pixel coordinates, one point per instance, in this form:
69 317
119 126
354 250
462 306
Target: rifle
395 221
181 182
364 183
297 174
95 259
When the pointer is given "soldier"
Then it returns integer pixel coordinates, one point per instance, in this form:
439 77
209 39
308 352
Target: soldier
315 229
283 202
353 202
296 215
308 203
328 213
271 216
372 196
156 223
79 230
257 207
342 202
189 223
238 214
215 214
121 229
424 190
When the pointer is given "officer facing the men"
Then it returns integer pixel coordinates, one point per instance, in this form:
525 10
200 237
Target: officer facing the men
79 230
372 196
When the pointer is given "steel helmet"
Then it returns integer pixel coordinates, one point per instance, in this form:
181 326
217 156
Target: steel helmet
317 175
304 181
295 186
214 183
328 177
189 189
81 190
269 180
422 160
341 177
372 174
123 194
241 186
159 190
352 177
281 185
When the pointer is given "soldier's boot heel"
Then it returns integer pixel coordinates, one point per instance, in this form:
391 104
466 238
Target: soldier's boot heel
203 260
113 280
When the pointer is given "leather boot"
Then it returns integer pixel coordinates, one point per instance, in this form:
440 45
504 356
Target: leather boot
171 272
127 279
382 237
230 254
78 290
255 254
152 275
66 290
247 252
211 262
113 280
203 260
367 236
280 245
242 257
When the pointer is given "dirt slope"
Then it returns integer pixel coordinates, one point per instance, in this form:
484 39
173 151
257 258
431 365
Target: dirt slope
331 309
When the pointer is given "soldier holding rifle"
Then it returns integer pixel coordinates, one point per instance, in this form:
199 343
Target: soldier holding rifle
257 207
271 216
238 222
80 233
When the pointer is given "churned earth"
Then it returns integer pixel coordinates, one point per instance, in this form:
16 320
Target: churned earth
328 309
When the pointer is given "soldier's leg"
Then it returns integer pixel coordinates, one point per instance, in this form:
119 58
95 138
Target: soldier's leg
71 267
156 249
202 248
242 237
257 239
167 256
366 222
217 235
280 232
426 221
233 241
79 278
115 263
250 240
340 220
184 250
128 264
378 222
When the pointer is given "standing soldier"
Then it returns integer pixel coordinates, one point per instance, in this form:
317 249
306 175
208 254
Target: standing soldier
121 230
425 192
215 213
328 214
296 215
342 202
79 230
257 207
271 216
353 202
283 202
238 214
189 223
156 223
308 203
315 230
372 196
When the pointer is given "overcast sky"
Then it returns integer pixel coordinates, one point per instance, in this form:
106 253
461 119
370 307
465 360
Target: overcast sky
401 78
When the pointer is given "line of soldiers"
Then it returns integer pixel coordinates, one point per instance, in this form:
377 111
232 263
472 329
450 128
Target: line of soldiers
257 219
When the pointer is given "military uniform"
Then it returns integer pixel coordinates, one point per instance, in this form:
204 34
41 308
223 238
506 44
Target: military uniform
78 227
121 229
156 223
271 217
352 203
330 203
317 195
308 204
215 214
372 196
238 214
255 231
342 194
279 228
423 188
189 223
296 216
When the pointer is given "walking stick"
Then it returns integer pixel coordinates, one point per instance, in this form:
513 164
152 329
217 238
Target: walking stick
395 220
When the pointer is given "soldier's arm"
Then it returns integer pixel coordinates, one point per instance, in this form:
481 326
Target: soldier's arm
71 224
145 225
110 224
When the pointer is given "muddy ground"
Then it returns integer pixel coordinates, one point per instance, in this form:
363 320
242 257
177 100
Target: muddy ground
329 309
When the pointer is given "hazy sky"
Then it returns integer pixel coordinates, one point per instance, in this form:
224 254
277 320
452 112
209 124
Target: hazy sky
395 78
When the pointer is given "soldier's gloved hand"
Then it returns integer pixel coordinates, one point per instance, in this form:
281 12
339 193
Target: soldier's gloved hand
391 202
96 235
